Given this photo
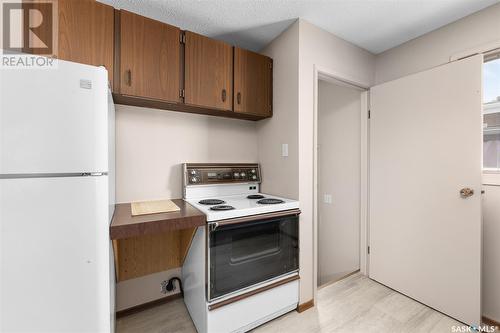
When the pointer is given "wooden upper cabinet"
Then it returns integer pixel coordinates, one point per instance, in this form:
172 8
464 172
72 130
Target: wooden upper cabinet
208 72
252 83
86 33
149 58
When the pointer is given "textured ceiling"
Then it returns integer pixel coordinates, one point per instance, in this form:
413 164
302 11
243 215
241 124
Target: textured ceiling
375 25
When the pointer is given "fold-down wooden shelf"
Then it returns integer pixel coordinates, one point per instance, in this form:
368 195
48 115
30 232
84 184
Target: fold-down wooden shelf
124 225
147 244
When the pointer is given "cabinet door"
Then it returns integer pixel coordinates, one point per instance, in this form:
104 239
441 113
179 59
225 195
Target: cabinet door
252 83
149 58
208 72
86 33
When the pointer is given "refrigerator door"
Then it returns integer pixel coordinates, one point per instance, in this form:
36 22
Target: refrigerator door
53 120
55 255
111 155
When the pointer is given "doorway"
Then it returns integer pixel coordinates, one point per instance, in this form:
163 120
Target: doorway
339 180
491 188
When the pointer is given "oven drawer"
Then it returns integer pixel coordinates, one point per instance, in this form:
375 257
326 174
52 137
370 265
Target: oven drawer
247 251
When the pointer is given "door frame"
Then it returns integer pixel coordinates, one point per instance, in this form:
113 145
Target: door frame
320 73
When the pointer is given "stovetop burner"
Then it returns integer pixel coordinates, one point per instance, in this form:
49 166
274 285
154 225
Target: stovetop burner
222 207
270 201
211 202
255 196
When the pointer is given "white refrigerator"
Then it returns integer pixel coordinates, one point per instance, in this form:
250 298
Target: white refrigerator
56 199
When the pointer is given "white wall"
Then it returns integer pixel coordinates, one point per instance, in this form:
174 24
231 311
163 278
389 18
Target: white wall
143 289
151 145
339 171
491 252
491 246
436 47
280 174
295 54
342 59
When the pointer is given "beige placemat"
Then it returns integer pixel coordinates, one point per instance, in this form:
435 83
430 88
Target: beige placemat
153 207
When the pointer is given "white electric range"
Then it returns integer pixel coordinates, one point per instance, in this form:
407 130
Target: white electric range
242 267
244 205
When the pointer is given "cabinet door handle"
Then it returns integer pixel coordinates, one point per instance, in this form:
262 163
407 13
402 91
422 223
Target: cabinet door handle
128 80
223 95
238 98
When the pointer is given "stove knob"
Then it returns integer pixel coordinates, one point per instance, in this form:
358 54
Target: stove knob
254 177
236 175
193 179
253 171
243 175
193 172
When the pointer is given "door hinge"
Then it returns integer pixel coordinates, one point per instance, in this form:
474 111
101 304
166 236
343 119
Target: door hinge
368 250
369 114
182 93
183 37
271 65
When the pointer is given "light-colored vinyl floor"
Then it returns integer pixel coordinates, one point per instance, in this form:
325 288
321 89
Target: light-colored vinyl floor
355 304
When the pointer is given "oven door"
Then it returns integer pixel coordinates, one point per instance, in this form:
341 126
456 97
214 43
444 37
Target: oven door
243 252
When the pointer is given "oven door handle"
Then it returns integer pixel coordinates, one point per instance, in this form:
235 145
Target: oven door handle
213 226
291 212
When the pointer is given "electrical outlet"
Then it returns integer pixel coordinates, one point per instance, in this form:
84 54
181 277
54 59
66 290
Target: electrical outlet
163 286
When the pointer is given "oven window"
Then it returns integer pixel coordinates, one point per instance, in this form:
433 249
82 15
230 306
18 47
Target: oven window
242 255
251 245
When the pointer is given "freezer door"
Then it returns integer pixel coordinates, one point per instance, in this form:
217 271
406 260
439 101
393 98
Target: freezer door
53 120
55 255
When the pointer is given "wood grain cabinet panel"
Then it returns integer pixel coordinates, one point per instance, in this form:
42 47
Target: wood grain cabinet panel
149 58
86 33
148 254
208 72
252 83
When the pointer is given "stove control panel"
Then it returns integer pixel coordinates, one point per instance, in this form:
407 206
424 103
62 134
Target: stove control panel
203 174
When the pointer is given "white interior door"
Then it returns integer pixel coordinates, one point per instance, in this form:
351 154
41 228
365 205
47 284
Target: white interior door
425 146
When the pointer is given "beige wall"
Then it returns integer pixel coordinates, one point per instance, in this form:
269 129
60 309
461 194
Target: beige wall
339 175
280 174
295 54
151 145
144 289
340 58
436 47
491 252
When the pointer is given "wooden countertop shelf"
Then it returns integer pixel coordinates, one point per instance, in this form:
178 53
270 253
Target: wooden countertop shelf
147 244
124 225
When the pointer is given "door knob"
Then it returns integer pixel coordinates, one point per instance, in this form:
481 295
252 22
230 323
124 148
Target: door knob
466 192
